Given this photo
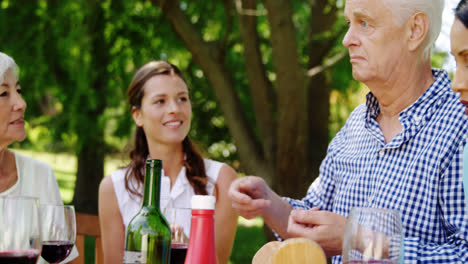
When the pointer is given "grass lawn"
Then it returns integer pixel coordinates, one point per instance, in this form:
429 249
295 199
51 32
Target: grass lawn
249 236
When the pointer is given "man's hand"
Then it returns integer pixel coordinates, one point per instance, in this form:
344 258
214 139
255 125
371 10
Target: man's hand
249 196
324 227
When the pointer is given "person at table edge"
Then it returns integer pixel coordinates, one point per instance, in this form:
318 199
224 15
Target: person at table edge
401 149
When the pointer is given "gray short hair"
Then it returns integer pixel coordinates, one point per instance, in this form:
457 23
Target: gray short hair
402 10
6 63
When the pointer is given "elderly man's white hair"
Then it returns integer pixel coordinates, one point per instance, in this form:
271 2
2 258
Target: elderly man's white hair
402 10
7 62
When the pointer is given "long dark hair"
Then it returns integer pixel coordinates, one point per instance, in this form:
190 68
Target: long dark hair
461 12
194 164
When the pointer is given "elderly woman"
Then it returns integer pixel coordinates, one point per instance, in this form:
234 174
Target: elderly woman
19 174
459 49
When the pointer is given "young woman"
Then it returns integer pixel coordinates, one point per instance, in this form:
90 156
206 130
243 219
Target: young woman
459 49
161 109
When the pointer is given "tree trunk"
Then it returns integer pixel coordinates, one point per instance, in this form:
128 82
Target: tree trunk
262 94
292 139
292 117
207 56
319 105
92 148
319 87
88 176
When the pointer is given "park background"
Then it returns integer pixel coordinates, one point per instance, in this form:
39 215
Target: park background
270 85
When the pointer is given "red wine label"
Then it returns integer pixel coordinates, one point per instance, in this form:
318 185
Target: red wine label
134 257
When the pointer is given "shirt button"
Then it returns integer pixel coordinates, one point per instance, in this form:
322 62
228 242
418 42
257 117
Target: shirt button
417 120
381 153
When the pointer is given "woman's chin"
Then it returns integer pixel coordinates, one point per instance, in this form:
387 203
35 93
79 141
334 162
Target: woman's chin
20 137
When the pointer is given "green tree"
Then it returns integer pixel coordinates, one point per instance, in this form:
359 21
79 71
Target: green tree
71 69
259 71
76 60
256 56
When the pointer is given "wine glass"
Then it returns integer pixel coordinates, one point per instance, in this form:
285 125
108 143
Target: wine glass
20 235
58 231
373 235
179 221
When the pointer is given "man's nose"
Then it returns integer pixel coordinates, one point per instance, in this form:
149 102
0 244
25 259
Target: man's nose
349 38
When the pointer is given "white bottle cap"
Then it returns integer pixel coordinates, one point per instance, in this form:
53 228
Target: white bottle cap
203 202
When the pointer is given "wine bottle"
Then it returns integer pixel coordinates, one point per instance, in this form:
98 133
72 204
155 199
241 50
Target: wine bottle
201 248
148 235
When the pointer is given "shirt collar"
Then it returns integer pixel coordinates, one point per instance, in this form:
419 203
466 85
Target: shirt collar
438 87
179 187
414 117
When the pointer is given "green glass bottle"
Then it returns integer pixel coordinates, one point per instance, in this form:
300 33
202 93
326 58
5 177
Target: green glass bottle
148 235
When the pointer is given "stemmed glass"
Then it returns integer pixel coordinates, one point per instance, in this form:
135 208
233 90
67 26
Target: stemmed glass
58 231
179 221
373 235
20 235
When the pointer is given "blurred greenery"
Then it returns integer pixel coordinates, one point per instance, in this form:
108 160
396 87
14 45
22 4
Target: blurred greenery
76 59
249 239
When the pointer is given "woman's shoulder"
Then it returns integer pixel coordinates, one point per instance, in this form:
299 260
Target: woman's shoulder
219 171
118 179
119 174
212 168
25 162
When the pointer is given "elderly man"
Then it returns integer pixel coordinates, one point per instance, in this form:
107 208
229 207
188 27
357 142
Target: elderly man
400 150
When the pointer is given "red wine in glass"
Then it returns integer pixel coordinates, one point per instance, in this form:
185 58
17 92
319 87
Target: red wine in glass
19 257
178 252
56 251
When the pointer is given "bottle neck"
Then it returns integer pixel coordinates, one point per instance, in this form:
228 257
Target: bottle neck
152 183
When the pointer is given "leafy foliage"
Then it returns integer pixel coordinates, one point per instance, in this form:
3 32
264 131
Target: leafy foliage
78 57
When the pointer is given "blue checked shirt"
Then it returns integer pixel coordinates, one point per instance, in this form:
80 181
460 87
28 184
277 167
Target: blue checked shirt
419 173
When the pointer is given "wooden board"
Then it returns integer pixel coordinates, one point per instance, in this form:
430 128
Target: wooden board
291 251
265 254
299 251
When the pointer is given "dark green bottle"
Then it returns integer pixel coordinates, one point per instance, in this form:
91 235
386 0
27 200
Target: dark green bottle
148 235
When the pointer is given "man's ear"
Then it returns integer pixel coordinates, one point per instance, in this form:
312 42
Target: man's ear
419 28
136 114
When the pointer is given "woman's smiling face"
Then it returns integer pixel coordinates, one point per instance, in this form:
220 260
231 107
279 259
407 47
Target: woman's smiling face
165 111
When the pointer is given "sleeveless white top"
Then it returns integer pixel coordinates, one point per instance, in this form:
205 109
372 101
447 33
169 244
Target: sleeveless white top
178 197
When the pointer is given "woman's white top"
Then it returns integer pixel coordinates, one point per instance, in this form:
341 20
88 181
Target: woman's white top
178 197
37 179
